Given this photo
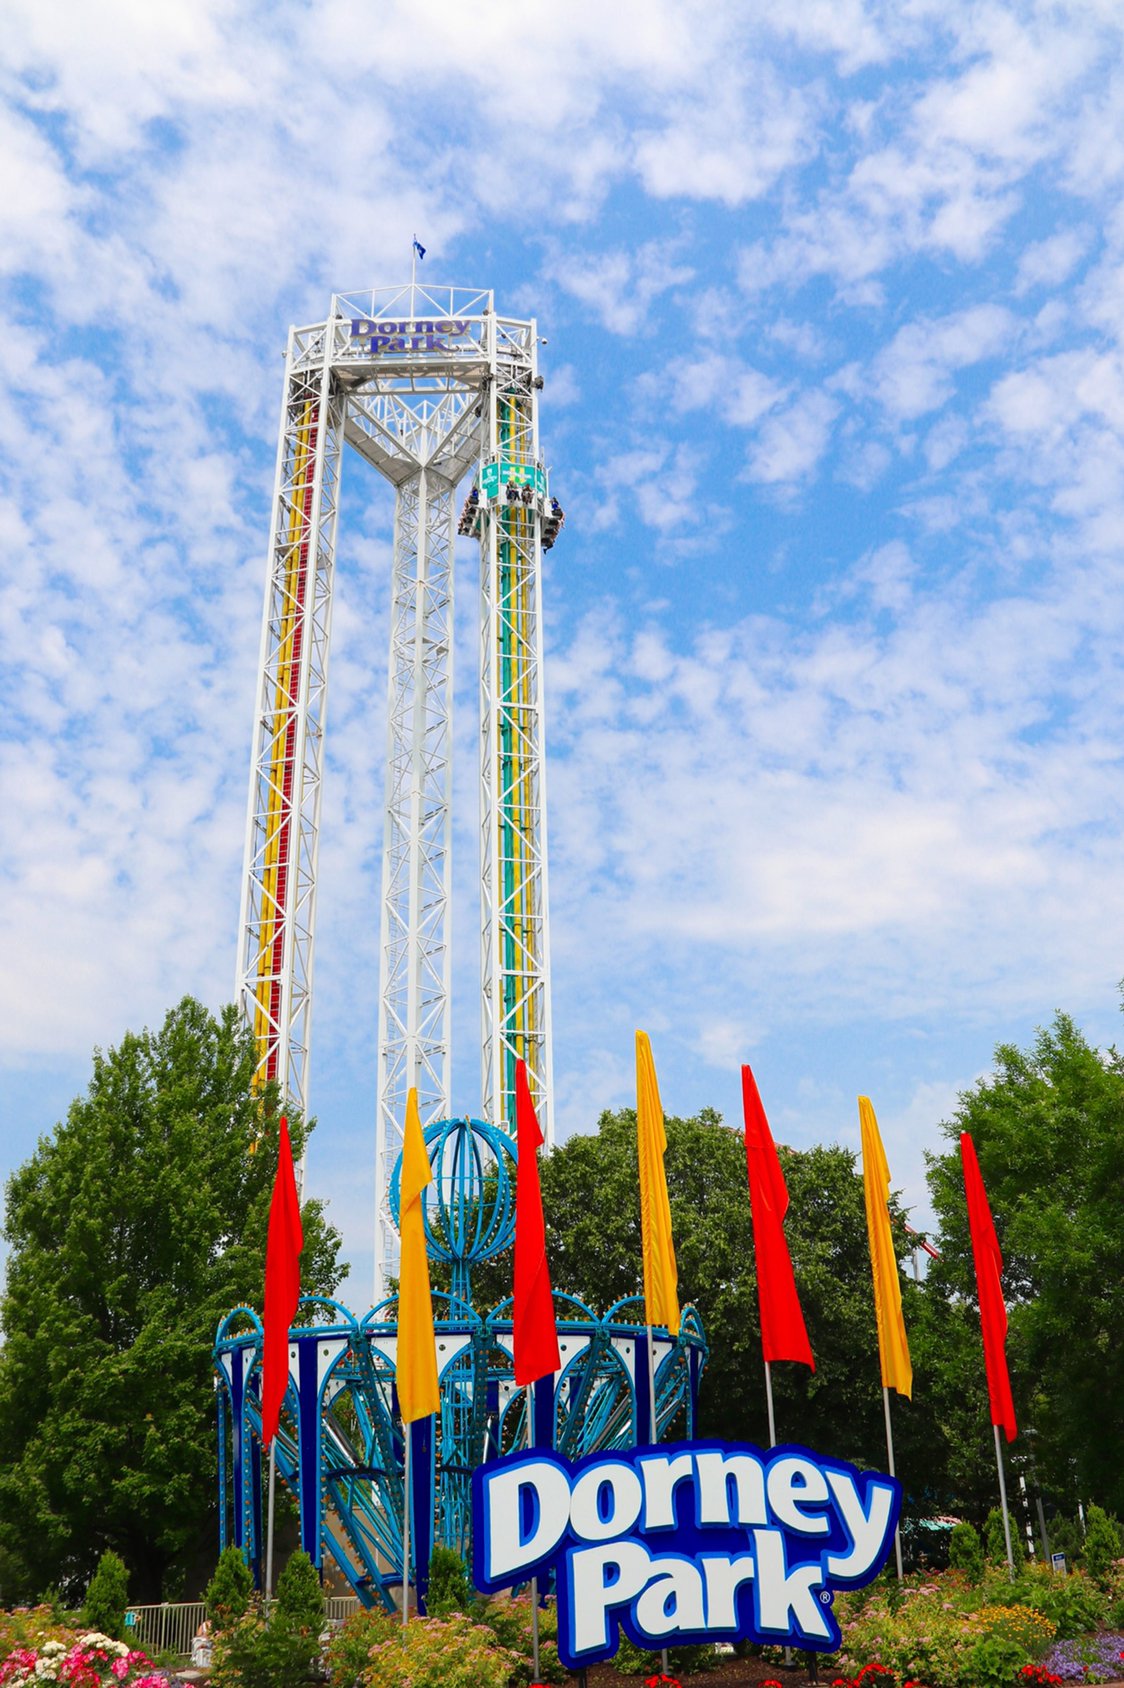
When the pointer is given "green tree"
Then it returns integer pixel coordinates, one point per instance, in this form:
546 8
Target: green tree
995 1539
228 1592
449 1588
300 1598
965 1552
107 1596
1048 1126
138 1222
591 1202
1102 1543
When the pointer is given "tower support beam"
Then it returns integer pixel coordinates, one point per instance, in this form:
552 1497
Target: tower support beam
275 958
415 948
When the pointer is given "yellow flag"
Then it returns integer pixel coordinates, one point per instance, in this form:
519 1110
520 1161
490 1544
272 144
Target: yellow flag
661 1281
418 1394
897 1371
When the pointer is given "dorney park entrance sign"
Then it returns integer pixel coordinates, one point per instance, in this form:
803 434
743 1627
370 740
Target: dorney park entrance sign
691 1541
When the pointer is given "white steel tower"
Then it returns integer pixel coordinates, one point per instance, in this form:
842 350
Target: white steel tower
425 384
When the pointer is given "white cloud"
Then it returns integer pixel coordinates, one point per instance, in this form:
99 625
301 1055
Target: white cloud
731 143
620 286
914 373
790 443
1049 262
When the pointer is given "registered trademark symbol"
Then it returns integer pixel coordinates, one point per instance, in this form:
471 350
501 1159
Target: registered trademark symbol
827 1595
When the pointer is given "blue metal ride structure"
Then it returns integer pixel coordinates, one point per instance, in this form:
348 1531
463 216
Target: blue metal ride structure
340 1447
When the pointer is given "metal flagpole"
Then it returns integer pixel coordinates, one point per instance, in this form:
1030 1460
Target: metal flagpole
273 1442
1003 1503
890 1459
769 1402
406 1530
269 1525
534 1580
652 1433
772 1444
652 1430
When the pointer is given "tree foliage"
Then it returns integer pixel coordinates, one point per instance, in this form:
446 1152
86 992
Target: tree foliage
137 1223
107 1596
228 1593
1048 1126
591 1201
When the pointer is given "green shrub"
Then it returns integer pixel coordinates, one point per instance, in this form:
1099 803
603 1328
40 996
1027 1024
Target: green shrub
29 1627
681 1661
227 1596
299 1598
107 1597
994 1660
1102 1543
254 1653
448 1652
1074 1604
349 1651
995 1543
449 1589
926 1640
965 1552
1066 1537
509 1619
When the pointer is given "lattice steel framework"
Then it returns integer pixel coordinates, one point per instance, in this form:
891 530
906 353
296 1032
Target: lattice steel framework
425 384
283 823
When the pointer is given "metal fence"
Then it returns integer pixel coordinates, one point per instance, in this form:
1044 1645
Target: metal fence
169 1629
164 1629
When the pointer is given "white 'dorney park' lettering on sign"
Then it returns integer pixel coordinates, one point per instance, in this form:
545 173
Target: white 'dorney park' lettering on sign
692 1541
413 336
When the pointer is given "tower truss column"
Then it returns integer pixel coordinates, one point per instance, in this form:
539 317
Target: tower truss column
415 943
515 971
274 983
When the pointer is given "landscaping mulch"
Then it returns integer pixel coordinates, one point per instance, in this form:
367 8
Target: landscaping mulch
729 1673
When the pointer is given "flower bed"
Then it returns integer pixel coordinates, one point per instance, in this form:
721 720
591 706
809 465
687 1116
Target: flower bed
89 1660
948 1632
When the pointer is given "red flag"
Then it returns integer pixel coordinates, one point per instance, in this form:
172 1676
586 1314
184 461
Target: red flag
282 1285
536 1335
993 1311
783 1336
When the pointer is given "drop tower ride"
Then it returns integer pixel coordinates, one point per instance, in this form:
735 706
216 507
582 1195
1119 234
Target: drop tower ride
427 385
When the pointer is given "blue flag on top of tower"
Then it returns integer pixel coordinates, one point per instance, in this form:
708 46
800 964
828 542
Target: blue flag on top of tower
418 247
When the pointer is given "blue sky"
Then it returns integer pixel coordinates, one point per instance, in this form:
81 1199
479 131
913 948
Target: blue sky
834 401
